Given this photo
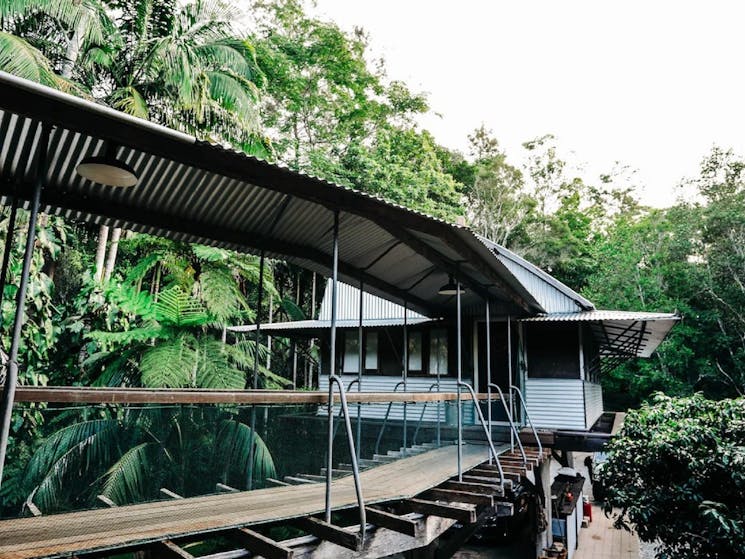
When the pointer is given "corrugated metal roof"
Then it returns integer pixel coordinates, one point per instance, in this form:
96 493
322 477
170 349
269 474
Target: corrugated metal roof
193 191
621 334
554 296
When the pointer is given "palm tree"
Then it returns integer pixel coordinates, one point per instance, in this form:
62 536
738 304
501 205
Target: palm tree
127 454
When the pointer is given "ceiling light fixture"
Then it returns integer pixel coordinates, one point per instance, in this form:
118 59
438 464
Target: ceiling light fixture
451 288
107 169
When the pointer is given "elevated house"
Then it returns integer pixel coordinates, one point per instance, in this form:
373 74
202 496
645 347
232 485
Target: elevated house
438 309
554 356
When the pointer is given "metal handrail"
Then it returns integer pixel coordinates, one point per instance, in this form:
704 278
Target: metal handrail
333 379
527 416
421 416
341 410
487 432
385 419
509 419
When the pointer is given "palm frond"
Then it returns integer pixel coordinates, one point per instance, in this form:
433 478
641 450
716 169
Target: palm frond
293 311
71 448
19 58
233 449
130 101
126 480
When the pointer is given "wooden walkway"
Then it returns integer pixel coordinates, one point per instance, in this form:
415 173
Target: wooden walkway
63 534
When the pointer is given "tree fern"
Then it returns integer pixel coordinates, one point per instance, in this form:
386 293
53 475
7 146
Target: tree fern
170 364
179 308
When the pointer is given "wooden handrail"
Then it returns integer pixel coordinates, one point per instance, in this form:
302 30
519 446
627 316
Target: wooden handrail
94 395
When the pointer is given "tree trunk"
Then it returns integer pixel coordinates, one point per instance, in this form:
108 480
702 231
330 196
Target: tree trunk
72 52
113 248
103 237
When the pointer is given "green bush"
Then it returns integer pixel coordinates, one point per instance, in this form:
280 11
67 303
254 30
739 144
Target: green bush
676 471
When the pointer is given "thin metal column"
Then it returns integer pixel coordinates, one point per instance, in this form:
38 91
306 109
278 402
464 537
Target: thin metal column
360 351
9 236
460 374
6 407
255 379
332 364
509 374
405 369
488 369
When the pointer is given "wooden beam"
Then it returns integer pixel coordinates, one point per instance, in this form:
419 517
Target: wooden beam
106 501
463 514
455 496
89 395
32 508
473 487
329 532
393 522
225 488
259 544
275 482
169 550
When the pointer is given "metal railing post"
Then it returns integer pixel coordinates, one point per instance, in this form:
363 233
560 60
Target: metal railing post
385 420
492 450
421 416
360 351
513 429
509 371
333 379
527 417
405 371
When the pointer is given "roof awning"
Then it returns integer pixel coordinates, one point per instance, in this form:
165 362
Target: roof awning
193 191
620 334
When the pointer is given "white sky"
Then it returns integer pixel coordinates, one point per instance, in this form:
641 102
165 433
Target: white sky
652 84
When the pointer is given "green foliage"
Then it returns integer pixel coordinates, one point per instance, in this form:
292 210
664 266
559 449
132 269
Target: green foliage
677 472
128 454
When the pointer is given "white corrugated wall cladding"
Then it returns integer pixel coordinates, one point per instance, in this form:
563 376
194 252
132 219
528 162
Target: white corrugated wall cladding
379 383
593 403
556 403
348 305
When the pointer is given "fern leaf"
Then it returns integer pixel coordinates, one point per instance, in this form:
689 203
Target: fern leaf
179 308
170 364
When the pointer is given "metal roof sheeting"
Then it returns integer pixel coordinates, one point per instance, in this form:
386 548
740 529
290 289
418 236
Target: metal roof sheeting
621 334
193 191
348 306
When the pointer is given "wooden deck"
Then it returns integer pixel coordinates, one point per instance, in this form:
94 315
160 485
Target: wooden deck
62 534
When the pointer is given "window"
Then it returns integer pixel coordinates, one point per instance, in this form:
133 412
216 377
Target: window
438 352
351 363
371 351
415 351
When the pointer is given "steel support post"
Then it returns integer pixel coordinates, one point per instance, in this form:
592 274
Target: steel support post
11 379
332 363
509 375
460 379
360 351
488 369
9 236
405 370
255 377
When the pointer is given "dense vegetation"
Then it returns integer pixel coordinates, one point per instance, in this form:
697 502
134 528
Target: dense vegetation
111 308
677 473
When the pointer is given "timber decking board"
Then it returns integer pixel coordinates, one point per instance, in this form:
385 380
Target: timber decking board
59 535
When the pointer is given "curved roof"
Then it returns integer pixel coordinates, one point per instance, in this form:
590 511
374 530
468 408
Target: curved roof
193 191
